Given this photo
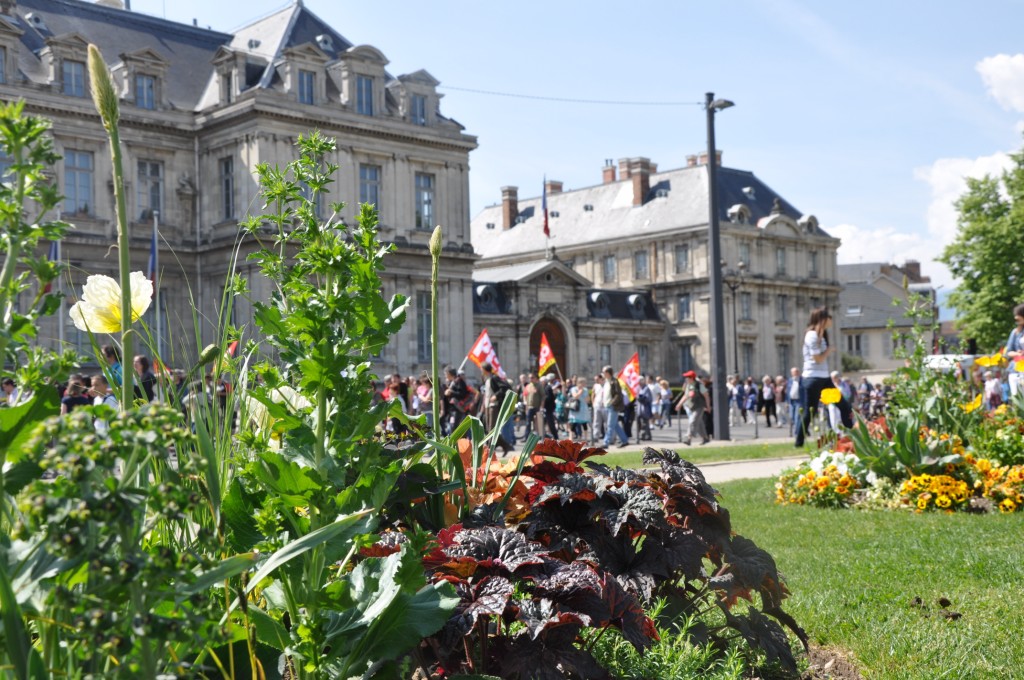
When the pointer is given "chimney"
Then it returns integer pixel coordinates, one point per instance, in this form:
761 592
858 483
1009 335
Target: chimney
7 7
912 268
654 168
608 172
623 168
640 173
509 206
702 158
691 161
553 186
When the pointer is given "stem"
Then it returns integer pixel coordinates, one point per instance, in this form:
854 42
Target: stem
13 244
435 376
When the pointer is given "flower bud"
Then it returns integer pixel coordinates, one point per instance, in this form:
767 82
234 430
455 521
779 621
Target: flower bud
103 95
435 242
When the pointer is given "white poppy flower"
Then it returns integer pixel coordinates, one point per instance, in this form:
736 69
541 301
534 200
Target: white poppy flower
99 309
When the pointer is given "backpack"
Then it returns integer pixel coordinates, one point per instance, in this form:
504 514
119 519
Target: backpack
499 388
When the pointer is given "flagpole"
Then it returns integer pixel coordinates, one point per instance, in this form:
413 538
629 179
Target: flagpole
60 286
156 283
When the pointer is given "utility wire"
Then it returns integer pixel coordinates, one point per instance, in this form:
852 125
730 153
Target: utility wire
609 102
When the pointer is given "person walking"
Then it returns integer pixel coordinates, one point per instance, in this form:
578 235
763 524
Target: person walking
549 406
615 403
644 411
600 412
781 408
793 400
534 406
815 373
768 400
1014 350
694 402
579 410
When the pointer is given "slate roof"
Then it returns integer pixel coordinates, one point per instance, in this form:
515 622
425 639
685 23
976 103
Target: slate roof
875 308
187 49
525 271
684 204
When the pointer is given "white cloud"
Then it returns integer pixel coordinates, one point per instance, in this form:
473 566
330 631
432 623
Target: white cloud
1003 75
886 244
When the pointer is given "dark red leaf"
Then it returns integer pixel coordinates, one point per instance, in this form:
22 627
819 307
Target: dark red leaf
551 657
498 547
754 569
389 543
548 471
574 487
765 634
635 504
542 614
564 449
627 615
575 587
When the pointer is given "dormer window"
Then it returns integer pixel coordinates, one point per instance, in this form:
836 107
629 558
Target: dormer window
418 109
73 78
145 92
587 207
307 87
364 95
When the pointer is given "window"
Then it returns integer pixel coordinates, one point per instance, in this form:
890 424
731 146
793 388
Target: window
369 185
686 356
227 187
151 188
418 109
854 310
77 182
747 358
5 165
318 200
745 302
364 95
683 309
783 308
306 95
780 261
609 268
145 92
423 322
424 201
643 355
854 344
815 302
784 358
227 89
813 264
745 254
74 78
640 269
606 354
682 258
3 64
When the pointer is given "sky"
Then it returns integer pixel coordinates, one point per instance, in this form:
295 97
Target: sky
868 115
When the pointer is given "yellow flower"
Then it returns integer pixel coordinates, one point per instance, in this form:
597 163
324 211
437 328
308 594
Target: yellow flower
942 501
830 395
922 503
842 490
99 310
1007 505
1018 366
973 405
845 480
983 465
822 482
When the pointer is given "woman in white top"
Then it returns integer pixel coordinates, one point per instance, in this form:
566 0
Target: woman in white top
815 376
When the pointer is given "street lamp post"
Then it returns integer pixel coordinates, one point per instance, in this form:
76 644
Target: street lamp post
735 281
721 399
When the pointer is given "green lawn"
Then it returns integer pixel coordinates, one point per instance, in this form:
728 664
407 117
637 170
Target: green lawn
854 577
706 454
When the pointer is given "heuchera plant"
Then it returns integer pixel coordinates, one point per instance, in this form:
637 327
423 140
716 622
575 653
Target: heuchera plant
595 548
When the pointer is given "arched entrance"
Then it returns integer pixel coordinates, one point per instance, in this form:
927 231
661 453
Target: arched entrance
556 338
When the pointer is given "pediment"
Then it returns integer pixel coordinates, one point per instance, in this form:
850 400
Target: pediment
7 28
421 77
71 41
554 273
308 51
782 225
223 55
147 56
367 53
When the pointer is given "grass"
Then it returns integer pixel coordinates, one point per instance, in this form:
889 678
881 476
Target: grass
706 454
855 574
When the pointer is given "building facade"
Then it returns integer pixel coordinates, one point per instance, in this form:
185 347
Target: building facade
872 307
200 109
644 233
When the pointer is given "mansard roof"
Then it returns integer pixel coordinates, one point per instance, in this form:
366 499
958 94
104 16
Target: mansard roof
528 272
677 200
186 49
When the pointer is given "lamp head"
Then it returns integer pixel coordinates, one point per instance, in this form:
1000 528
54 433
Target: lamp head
720 104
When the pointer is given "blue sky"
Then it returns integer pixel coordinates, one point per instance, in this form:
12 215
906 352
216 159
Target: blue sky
867 115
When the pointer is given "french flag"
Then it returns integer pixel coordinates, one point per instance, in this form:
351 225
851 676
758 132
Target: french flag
151 265
544 207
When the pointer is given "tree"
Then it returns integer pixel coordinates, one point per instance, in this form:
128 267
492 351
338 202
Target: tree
985 256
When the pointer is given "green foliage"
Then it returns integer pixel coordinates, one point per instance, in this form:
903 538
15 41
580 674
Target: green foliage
984 255
856 577
852 363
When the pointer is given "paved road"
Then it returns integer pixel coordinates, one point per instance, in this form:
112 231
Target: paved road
744 434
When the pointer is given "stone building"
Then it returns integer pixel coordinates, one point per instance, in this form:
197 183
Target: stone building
200 109
872 312
640 237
